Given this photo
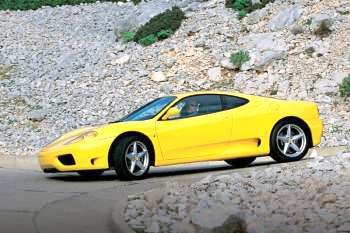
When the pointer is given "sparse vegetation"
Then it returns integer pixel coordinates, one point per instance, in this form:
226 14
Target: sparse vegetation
345 87
163 34
245 7
35 4
160 27
127 36
323 29
239 58
310 51
4 72
148 40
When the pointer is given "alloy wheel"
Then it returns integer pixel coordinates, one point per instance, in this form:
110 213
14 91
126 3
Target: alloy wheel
291 140
137 158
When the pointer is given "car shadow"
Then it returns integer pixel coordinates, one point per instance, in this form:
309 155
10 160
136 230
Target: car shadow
158 172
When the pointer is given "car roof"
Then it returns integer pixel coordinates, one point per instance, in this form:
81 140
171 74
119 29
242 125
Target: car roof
238 94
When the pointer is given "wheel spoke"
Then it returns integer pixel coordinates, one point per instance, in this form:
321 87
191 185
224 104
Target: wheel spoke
295 147
289 131
132 167
130 156
139 164
134 148
282 138
141 154
286 146
298 136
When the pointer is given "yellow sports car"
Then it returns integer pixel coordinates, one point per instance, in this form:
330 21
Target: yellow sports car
186 128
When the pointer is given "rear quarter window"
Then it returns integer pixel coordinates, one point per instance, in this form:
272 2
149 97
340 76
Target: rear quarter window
229 102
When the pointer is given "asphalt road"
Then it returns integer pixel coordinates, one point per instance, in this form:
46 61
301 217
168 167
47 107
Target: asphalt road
31 201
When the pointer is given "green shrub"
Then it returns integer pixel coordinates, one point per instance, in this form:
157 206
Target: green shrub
127 36
239 58
345 87
245 6
242 14
148 40
35 4
323 29
240 4
168 20
163 34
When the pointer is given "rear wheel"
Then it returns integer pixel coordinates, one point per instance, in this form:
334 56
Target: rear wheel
132 158
289 141
91 174
241 162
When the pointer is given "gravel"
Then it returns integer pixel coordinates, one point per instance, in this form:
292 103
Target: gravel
308 196
65 63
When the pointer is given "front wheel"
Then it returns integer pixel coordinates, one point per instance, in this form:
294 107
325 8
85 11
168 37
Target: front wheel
132 158
241 162
289 141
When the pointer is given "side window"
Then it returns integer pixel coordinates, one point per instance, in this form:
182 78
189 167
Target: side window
230 102
199 105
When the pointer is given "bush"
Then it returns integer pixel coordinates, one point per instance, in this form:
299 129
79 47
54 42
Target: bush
345 87
35 4
239 58
148 40
245 6
127 36
166 21
163 34
323 29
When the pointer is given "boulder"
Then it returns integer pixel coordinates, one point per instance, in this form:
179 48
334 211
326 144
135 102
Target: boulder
263 49
226 63
158 76
256 16
146 10
218 217
285 18
121 60
215 74
330 84
37 115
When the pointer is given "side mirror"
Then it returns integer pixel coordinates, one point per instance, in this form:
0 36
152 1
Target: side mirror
171 113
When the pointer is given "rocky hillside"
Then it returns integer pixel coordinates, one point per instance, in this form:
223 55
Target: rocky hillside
64 67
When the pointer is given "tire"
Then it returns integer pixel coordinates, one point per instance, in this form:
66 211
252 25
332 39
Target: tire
289 141
124 156
241 162
91 173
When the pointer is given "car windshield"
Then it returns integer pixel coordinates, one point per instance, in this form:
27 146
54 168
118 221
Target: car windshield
149 110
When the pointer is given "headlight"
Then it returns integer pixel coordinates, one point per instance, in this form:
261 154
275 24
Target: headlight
75 139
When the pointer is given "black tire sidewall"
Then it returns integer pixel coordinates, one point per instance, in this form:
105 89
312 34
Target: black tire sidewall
275 153
119 158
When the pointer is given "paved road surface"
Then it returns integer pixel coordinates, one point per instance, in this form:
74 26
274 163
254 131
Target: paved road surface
31 201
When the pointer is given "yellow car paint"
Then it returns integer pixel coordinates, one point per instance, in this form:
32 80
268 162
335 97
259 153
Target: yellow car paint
239 132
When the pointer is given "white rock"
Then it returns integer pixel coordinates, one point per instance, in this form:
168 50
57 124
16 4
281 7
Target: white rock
285 18
215 74
37 115
226 63
212 216
158 76
121 60
153 228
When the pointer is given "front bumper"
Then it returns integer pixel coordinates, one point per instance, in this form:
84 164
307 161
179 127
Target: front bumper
89 155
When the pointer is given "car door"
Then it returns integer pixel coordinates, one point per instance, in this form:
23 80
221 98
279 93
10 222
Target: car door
246 128
202 133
